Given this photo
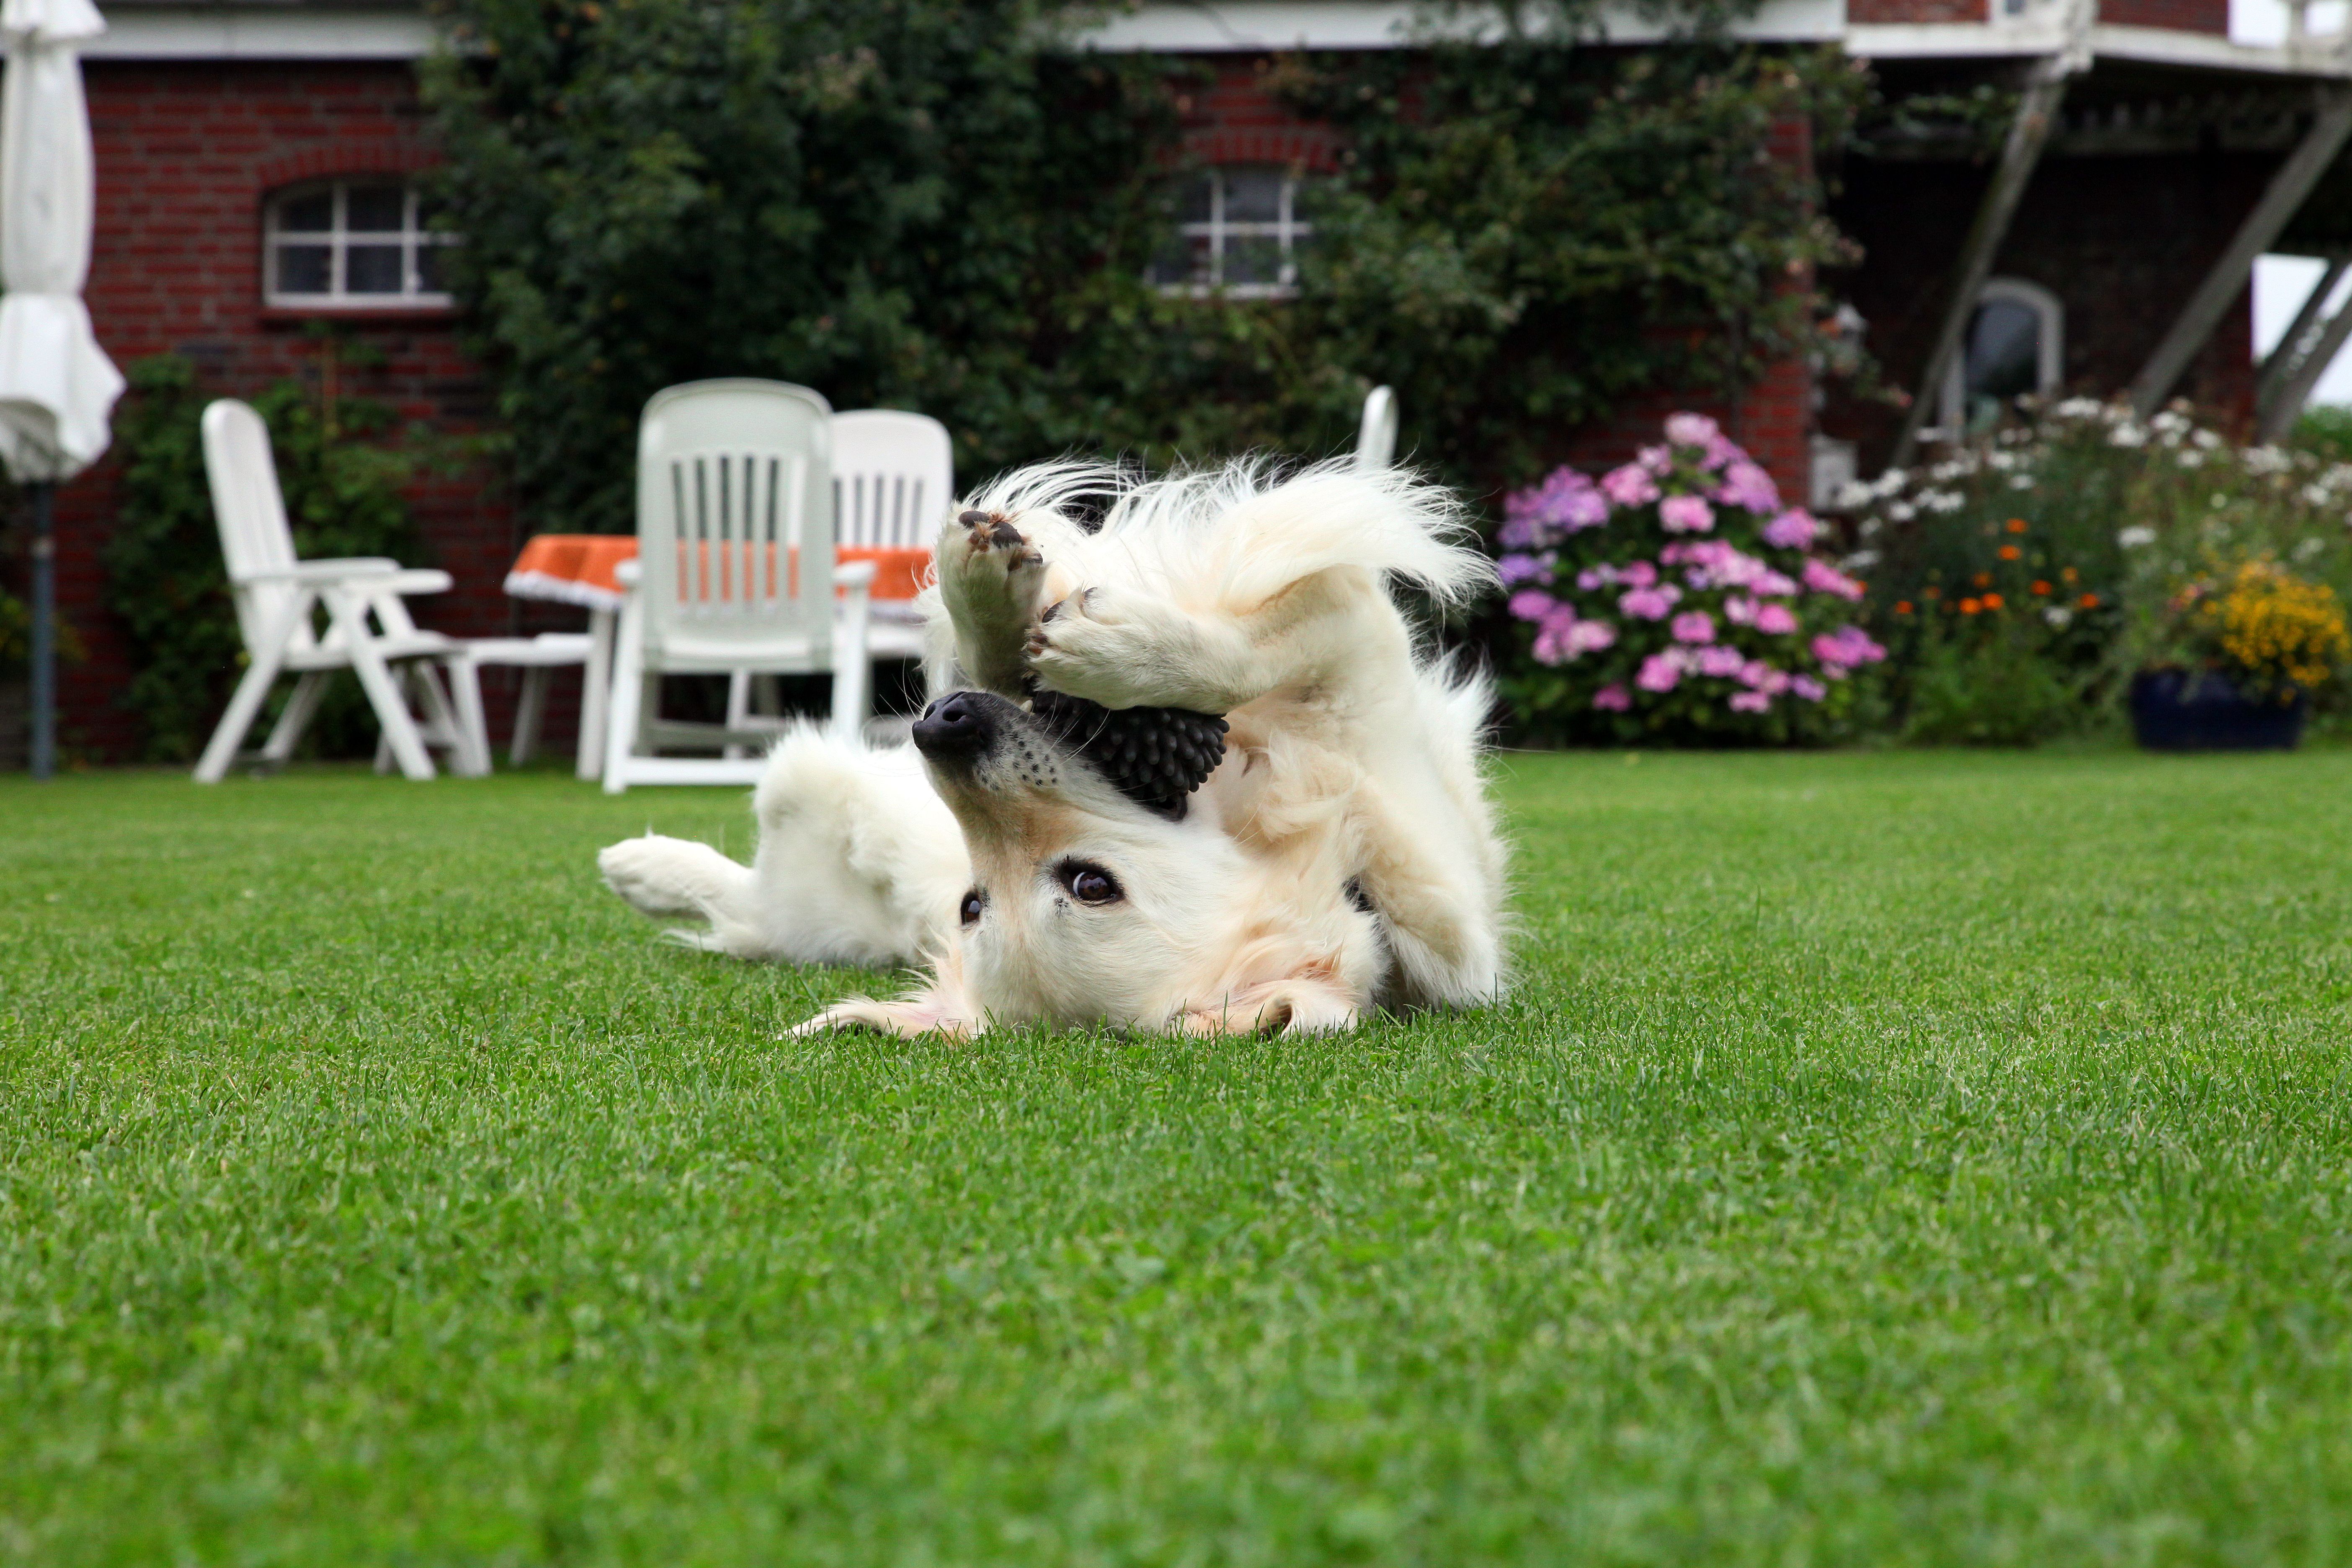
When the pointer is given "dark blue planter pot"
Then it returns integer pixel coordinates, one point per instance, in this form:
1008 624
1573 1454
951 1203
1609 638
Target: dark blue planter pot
2198 710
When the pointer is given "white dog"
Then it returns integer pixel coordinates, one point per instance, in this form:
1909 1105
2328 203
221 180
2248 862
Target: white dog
1341 854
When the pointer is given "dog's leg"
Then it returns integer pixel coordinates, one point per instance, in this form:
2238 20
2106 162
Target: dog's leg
676 879
992 581
1126 648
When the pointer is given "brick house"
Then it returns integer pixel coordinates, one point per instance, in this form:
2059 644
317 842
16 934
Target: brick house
255 159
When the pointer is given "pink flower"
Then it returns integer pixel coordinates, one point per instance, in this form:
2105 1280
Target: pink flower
1518 568
1748 486
1806 687
1599 576
1751 702
1792 530
1693 625
1565 502
1761 675
1649 603
1775 620
1531 603
1553 645
1659 672
1591 636
1639 574
1721 661
1657 459
1841 649
1613 697
1772 583
1688 429
1824 578
1739 610
1686 514
1629 486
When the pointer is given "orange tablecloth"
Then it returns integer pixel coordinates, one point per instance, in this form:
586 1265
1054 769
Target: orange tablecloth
577 569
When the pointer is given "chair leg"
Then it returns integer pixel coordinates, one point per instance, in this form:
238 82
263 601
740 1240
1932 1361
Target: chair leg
621 720
299 710
738 709
852 669
383 695
245 706
473 731
527 712
595 694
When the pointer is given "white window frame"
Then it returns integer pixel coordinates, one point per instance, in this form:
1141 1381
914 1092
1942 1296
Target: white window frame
411 237
2048 347
1286 230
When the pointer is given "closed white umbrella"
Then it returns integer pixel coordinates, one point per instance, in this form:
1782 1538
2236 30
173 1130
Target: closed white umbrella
57 386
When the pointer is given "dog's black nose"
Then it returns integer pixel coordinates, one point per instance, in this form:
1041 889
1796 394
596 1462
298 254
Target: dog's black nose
959 724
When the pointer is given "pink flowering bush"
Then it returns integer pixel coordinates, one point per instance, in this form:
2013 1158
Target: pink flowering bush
1678 598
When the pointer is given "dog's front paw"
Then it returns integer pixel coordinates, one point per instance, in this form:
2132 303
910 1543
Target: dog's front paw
992 578
655 875
1122 649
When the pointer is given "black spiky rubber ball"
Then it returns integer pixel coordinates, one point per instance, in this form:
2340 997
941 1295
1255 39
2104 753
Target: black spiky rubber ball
1155 756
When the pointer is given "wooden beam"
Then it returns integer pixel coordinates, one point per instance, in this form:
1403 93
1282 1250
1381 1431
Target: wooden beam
2302 170
2037 112
2285 405
2285 355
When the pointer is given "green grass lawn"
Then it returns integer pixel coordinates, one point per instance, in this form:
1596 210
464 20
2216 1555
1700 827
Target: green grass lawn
1884 1159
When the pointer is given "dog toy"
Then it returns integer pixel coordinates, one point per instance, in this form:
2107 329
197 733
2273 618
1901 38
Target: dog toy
1154 756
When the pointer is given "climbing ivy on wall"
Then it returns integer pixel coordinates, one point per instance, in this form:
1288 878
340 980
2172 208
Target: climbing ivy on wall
933 205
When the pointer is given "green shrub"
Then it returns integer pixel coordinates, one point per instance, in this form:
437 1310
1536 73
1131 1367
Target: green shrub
165 578
915 205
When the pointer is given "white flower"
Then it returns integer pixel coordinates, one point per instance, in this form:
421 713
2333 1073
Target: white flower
2309 548
1892 480
2128 434
1945 500
2134 537
1869 528
1945 473
2079 409
1901 512
2020 481
2207 440
2004 461
2267 460
2217 500
2172 422
2315 494
1853 493
1860 561
2058 615
2191 458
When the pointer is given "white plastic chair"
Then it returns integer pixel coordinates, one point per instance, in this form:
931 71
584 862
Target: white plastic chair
734 572
368 632
893 483
1376 435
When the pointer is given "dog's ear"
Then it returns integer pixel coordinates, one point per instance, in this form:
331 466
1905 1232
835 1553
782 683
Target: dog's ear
1310 1001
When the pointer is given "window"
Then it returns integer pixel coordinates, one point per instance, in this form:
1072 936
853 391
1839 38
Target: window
356 243
1238 232
2014 345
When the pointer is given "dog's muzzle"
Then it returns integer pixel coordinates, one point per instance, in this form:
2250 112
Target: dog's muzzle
960 726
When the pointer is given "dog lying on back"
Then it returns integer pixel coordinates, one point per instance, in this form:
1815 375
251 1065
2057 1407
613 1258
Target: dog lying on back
1037 849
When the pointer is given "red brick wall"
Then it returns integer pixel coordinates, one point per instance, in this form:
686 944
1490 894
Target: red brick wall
2186 16
186 154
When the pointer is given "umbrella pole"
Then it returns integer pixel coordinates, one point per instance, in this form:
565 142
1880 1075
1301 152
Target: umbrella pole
44 642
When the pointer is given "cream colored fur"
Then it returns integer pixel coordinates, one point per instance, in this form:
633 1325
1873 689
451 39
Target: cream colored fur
1353 764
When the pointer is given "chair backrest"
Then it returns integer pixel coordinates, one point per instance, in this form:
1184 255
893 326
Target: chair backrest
249 510
893 478
1376 436
735 514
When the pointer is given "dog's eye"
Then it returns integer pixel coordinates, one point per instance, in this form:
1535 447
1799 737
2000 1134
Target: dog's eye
972 906
1090 884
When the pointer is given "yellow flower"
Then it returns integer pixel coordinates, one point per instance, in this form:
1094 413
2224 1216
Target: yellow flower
2275 626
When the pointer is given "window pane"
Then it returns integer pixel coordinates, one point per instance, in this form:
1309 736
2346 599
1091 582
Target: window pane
428 269
1252 196
374 209
1253 260
304 270
2004 350
1193 193
308 215
372 269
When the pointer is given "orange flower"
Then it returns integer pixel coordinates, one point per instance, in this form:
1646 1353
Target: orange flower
2068 574
2017 525
2089 601
2010 552
1992 601
1902 606
1970 606
2042 587
1984 579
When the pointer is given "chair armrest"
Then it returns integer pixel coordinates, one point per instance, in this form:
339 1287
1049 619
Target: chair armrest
628 574
853 575
317 571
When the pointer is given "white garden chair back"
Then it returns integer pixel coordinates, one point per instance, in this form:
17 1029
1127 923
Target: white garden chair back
893 478
734 572
368 631
1376 433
